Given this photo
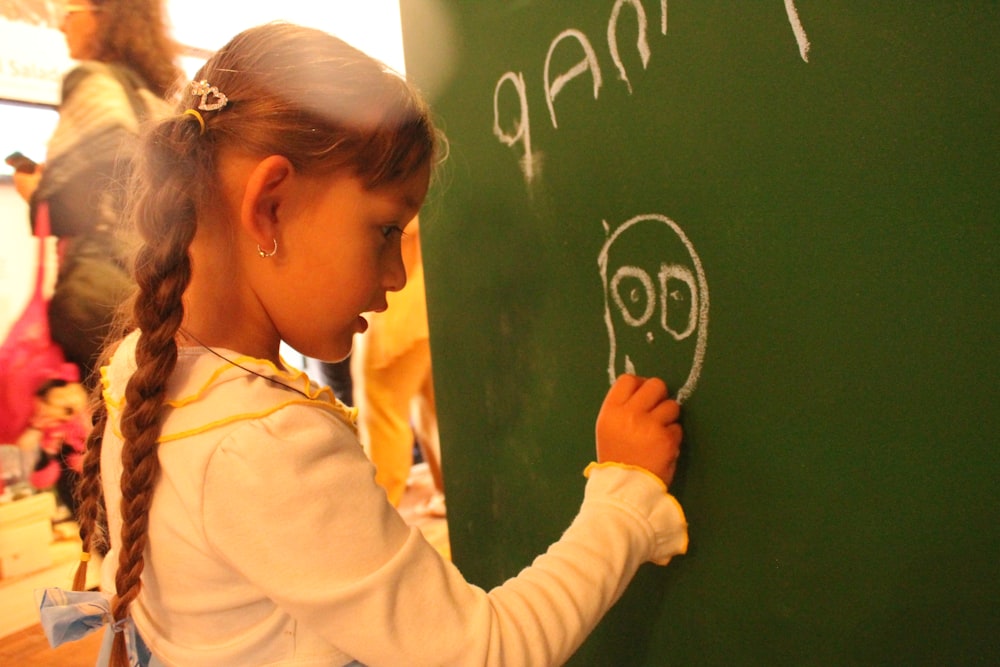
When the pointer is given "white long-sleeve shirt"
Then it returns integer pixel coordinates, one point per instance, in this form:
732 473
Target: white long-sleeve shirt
270 543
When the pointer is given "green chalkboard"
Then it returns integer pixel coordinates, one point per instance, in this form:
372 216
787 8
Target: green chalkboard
789 210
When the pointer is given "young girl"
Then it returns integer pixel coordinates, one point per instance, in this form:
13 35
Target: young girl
245 525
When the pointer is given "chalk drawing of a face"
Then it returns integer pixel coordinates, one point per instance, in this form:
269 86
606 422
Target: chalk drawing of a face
655 302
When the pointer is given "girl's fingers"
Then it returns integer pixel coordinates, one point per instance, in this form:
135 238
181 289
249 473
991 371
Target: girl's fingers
651 393
676 434
623 389
666 412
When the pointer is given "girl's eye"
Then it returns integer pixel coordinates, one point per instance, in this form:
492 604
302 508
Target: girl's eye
389 230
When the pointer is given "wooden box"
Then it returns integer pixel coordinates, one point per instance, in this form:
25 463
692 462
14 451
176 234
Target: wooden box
25 534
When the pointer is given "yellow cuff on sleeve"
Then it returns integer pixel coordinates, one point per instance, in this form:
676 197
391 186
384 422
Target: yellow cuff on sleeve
624 466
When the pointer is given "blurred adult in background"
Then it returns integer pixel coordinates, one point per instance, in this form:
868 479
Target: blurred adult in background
337 376
393 388
127 66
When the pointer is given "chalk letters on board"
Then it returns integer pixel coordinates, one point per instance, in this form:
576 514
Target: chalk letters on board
589 62
521 132
641 43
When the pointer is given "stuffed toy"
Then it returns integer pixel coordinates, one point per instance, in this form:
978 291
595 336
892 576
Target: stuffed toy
58 433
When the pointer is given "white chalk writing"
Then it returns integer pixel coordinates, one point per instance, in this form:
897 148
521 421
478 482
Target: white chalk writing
589 63
631 297
641 43
553 85
800 33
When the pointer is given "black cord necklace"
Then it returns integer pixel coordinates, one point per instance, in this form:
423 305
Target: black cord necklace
188 334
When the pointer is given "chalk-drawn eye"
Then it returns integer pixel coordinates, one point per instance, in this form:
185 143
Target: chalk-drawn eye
679 296
634 294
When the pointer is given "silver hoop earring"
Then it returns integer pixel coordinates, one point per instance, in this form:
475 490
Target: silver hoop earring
262 253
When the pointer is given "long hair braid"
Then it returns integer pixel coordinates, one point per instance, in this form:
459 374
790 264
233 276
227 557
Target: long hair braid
90 496
163 215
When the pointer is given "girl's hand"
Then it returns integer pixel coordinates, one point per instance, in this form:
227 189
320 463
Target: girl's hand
637 425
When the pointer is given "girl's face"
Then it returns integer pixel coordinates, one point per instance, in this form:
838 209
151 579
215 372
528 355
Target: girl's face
338 256
79 25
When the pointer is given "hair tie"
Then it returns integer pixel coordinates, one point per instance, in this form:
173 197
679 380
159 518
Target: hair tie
84 557
198 117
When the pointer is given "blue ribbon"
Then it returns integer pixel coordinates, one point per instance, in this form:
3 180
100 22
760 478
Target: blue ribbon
70 615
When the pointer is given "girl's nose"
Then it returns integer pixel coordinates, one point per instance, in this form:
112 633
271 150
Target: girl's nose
394 278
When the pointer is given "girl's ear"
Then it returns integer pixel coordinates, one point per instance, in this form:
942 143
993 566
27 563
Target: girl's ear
265 194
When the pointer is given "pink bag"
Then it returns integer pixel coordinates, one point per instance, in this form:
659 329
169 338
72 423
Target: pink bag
28 357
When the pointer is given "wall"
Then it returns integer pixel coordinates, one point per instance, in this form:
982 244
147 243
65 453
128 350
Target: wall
17 257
